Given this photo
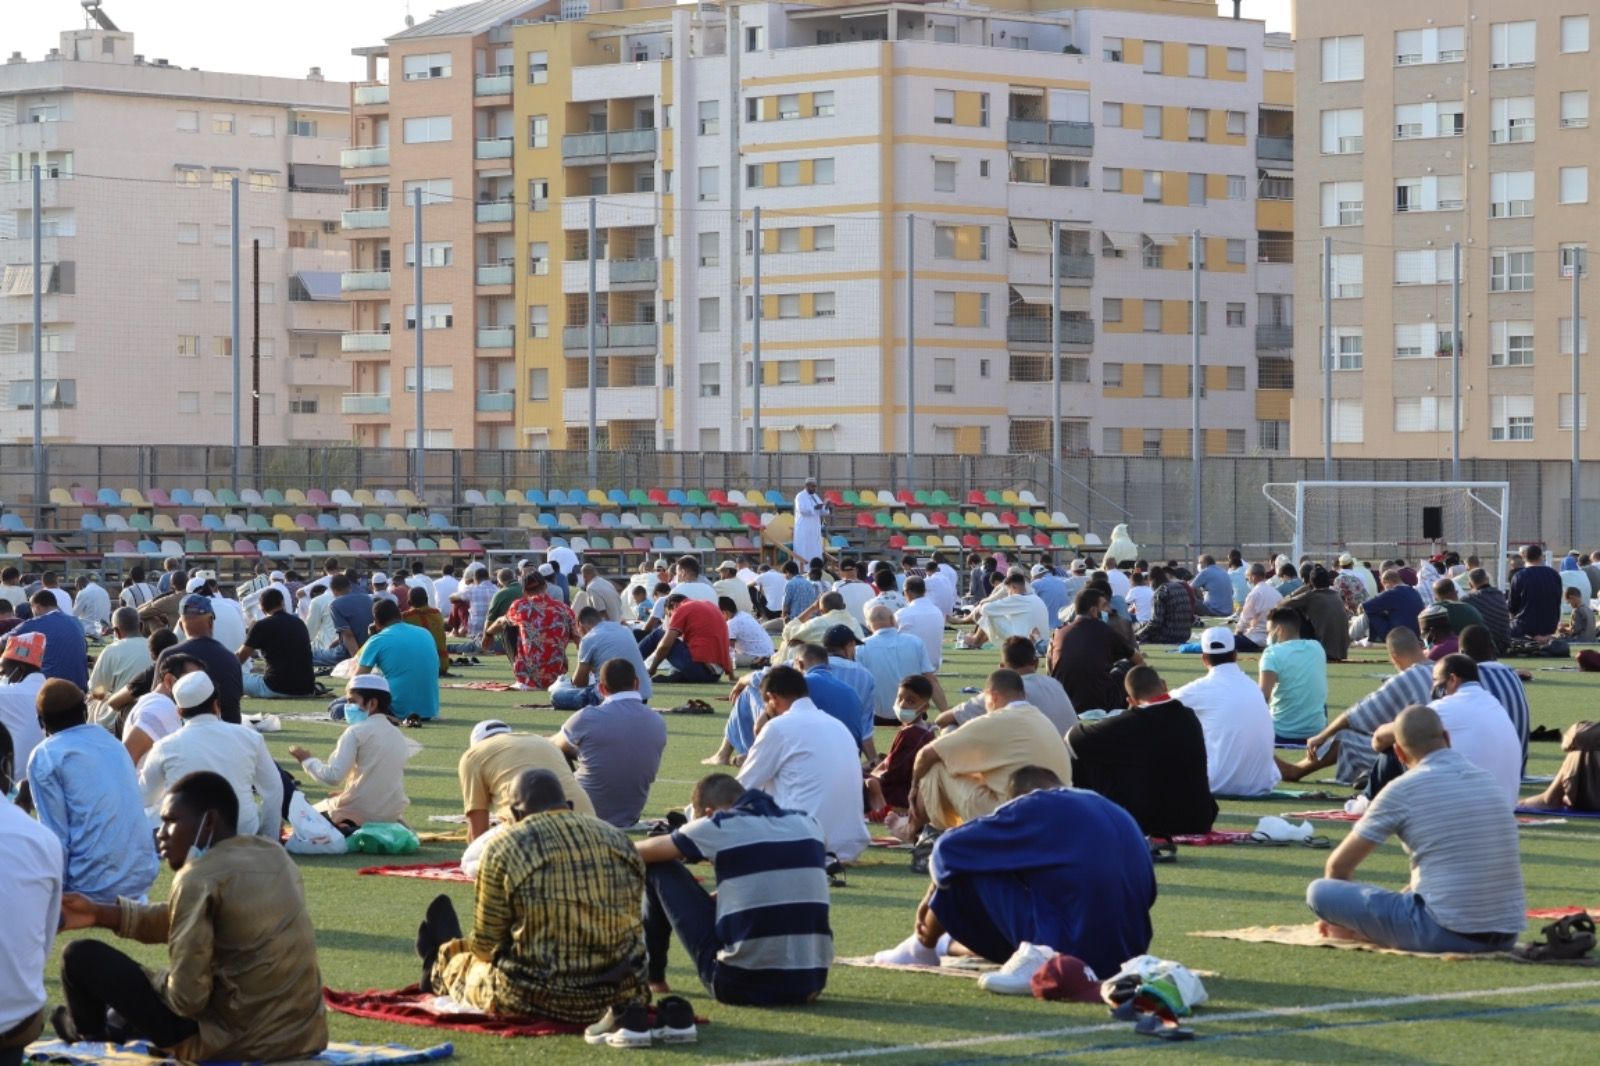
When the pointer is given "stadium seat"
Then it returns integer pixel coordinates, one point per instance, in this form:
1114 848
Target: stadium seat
976 498
316 546
116 523
169 548
133 498
835 498
372 520
888 499
109 498
850 498
350 523
971 519
394 521
1009 519
1028 499
717 497
1008 497
416 521
203 498
341 498
920 521
618 498
697 498
898 542
163 523
658 497
267 546
470 544
1059 540
232 522
290 548
660 544
1092 540
427 544
475 498
736 498
1024 541
989 540
159 498
317 498
866 520
327 521
611 520
381 546
449 544
1061 521
62 498
384 498
677 497
1007 540
88 522
638 497
597 498
364 498
901 520
407 498
250 498
971 541
140 522
227 497
589 520
304 521
681 544
123 547
939 498
294 497
274 498
245 548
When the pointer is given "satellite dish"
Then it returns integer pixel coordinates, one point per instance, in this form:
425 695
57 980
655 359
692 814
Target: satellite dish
410 22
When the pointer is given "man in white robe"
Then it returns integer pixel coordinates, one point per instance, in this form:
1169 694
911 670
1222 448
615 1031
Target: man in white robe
809 509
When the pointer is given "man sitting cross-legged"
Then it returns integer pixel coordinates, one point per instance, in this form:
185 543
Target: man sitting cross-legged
1054 868
555 925
1466 891
762 939
1234 716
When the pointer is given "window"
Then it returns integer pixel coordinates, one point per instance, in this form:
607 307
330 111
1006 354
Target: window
1150 253
434 254
1341 58
1197 61
1236 120
1574 33
1511 194
1422 414
755 38
222 123
538 194
1348 351
1152 381
1575 110
1029 169
822 172
434 379
188 290
1564 411
1342 203
710 315
1272 435
1236 61
710 378
1416 340
823 372
1511 44
538 131
302 127
1197 190
1574 185
944 308
944 107
263 126
1111 49
1566 336
223 177
1111 375
427 129
944 375
944 175
1111 179
822 305
188 344
1511 344
434 316
1152 57
188 233
1510 119
188 122
1511 417
710 249
1152 186
1235 250
1111 115
1236 379
1511 270
1198 116
222 347
1341 131
538 383
1236 187
221 235
1111 309
538 68
263 180
1573 253
708 185
1152 316
1424 267
709 120
1408 195
539 258
1347 421
822 107
539 321
424 67
1151 447
1152 121
1441 45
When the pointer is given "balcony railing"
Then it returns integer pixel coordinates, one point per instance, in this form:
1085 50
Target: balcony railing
494 211
625 271
496 336
364 403
492 85
626 335
1077 265
371 94
1274 338
364 280
1055 134
376 155
364 341
631 142
494 274
497 400
493 148
1278 148
1035 330
366 218
616 142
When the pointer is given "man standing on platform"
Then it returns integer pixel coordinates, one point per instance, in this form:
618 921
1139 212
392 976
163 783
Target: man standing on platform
809 510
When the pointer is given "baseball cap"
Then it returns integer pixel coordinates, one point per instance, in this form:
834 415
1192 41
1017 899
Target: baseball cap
547 570
192 690
811 481
661 564
370 682
727 564
1066 977
380 578
194 603
57 694
1346 559
486 729
1217 639
26 648
526 564
1079 566
838 636
1039 570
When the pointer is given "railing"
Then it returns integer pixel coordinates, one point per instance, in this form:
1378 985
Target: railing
365 218
631 142
1274 338
371 94
496 336
492 85
494 211
1277 189
364 341
497 400
627 335
625 271
376 155
583 145
363 280
1034 330
1277 148
364 403
1055 134
615 142
1076 265
495 274
493 148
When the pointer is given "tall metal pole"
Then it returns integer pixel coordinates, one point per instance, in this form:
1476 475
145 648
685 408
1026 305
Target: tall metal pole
416 294
1455 363
911 352
755 344
594 397
1327 358
731 122
1055 365
1577 405
1198 381
38 349
235 338
255 353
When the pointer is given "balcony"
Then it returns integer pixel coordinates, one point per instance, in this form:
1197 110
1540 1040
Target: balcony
495 274
365 341
1075 136
626 335
366 95
622 143
619 145
1277 149
492 85
625 403
1029 329
319 316
632 272
496 336
314 373
364 281
493 148
494 211
496 401
365 218
1274 338
376 155
1076 267
363 403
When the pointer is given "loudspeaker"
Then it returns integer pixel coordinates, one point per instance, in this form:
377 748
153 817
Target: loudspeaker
1432 523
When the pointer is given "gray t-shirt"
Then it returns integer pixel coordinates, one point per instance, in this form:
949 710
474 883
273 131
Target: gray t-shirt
609 640
619 746
352 611
1041 690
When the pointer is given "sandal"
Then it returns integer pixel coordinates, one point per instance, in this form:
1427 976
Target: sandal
694 706
1568 938
413 721
1162 849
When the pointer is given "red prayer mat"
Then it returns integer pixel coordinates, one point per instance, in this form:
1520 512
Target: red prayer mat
1552 913
482 686
1211 839
411 1006
431 871
1338 814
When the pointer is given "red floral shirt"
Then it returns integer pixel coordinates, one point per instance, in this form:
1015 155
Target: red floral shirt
544 628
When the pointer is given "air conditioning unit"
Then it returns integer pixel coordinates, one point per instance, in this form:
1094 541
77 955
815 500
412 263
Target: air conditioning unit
330 227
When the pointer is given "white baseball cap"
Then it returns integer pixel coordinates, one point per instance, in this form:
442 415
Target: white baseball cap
195 584
1217 640
489 728
380 578
192 690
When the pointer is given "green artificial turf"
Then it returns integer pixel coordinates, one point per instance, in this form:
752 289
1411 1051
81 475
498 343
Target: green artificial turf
366 926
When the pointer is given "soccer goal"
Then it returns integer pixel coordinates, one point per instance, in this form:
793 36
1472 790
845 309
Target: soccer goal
1378 520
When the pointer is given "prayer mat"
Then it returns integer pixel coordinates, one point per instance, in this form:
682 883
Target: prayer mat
430 871
1553 913
319 717
141 1053
1306 936
483 686
1285 793
1212 839
1338 814
969 968
412 1006
1557 814
457 836
893 843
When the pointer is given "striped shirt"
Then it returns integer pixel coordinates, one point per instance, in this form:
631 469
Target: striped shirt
1412 685
772 900
1504 685
1491 607
798 594
1461 840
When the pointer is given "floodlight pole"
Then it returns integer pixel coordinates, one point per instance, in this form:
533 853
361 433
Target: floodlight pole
1577 405
1455 363
911 352
234 338
38 353
1327 358
1198 447
755 343
421 321
1055 365
594 396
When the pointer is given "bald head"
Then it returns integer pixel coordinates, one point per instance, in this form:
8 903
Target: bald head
880 617
1405 647
1419 732
537 791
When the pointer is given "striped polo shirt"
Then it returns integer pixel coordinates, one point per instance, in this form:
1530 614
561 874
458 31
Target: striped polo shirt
772 900
1504 685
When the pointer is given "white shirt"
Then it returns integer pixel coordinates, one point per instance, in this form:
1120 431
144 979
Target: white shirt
923 620
942 590
93 605
237 752
737 591
808 761
1120 582
1261 599
564 557
1021 615
119 662
425 583
444 588
30 884
154 715
891 599
1139 598
1238 730
856 595
771 583
1480 729
229 627
747 575
20 716
748 637
63 599
319 623
694 590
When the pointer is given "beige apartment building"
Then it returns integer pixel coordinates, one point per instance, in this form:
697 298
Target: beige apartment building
1420 125
137 155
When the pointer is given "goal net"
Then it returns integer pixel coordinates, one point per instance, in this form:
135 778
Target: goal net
1378 520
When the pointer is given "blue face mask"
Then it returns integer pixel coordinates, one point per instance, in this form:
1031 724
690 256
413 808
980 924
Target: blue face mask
197 850
353 713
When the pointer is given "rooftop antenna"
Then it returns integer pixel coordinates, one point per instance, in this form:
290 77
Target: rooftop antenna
91 9
410 22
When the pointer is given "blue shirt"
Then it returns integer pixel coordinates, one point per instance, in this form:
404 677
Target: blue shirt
1300 698
87 794
890 657
861 682
353 612
1213 581
612 640
741 728
1395 608
798 594
407 658
1053 591
66 653
838 700
1241 584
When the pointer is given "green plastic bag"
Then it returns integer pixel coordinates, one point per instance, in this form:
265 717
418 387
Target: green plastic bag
384 838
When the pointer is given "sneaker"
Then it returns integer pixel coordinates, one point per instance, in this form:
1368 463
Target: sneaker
922 852
1015 978
626 1026
675 1022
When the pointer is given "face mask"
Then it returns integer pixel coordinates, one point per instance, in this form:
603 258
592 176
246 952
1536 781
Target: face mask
907 715
198 850
353 713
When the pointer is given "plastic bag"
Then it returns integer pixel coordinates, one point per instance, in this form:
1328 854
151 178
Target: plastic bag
474 853
1170 982
310 831
384 838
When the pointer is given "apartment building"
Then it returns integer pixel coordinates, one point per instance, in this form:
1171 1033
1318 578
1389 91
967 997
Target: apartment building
1422 125
1131 124
137 155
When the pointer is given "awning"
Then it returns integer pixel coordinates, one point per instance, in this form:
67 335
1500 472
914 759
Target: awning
1273 172
1032 294
1128 242
320 284
1027 90
188 166
382 179
1031 233
18 279
1161 239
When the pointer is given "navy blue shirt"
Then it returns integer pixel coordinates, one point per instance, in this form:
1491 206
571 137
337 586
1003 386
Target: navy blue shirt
66 653
838 700
1395 608
1535 601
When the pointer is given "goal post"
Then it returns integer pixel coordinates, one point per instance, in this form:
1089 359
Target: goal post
1377 520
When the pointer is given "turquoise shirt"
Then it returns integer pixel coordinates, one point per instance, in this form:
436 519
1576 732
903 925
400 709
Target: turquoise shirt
409 661
1300 698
